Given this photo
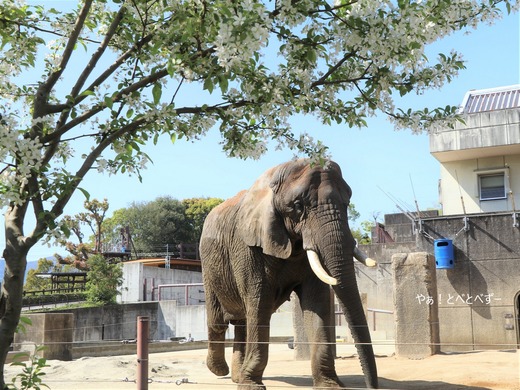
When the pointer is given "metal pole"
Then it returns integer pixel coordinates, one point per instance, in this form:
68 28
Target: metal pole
332 319
143 331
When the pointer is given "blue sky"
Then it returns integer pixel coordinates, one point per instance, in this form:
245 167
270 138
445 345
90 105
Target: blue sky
373 159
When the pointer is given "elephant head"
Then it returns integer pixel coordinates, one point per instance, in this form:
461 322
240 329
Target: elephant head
297 209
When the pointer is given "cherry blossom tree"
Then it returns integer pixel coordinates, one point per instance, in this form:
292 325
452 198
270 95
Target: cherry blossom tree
97 79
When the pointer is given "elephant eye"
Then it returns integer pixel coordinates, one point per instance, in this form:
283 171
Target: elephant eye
298 207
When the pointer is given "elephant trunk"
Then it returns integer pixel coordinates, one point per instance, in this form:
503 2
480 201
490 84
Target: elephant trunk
337 256
348 296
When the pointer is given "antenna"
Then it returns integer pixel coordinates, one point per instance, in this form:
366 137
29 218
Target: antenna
396 201
415 199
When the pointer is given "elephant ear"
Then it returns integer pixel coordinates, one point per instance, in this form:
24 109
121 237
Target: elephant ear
258 222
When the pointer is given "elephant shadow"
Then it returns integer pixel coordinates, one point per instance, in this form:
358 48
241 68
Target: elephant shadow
358 382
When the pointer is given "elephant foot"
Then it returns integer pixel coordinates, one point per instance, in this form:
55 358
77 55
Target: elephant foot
219 368
329 383
235 377
251 386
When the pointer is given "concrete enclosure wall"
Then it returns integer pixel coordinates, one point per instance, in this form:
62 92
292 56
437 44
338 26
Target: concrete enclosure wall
54 331
477 297
478 300
167 320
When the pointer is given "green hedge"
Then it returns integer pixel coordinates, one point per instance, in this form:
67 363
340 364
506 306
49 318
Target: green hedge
50 299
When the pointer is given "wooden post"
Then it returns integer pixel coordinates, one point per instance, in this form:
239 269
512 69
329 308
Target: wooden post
143 331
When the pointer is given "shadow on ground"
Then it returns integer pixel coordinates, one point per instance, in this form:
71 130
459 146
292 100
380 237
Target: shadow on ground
358 382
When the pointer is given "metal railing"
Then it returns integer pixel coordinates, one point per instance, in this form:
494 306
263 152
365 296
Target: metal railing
186 287
374 312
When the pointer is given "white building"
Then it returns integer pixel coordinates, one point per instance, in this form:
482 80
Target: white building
480 159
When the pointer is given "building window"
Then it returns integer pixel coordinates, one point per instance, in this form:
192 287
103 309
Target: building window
492 186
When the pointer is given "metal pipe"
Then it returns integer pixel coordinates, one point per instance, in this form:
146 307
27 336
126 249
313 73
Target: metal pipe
143 332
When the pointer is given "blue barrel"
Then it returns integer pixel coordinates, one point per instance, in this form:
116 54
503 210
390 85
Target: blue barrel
444 254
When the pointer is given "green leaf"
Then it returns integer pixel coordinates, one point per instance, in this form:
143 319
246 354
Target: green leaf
157 92
224 83
87 195
208 85
109 102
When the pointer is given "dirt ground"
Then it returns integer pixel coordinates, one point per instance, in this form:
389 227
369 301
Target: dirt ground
497 370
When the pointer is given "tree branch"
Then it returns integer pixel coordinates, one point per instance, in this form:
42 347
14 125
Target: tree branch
92 63
89 161
56 135
41 106
332 69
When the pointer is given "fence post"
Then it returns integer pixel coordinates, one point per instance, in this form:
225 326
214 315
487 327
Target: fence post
143 332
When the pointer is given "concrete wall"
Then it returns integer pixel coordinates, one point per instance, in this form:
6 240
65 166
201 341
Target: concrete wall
477 297
118 322
478 300
139 281
482 134
167 320
51 330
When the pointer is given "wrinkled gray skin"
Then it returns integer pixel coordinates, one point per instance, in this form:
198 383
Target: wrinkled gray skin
253 251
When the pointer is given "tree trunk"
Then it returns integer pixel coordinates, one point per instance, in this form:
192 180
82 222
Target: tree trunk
15 256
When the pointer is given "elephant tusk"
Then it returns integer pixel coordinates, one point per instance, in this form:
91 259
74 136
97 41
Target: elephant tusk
317 268
363 258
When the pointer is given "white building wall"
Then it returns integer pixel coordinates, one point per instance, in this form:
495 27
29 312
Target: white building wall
459 185
139 281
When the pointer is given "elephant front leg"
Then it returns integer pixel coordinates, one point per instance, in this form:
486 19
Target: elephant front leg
217 327
256 351
319 323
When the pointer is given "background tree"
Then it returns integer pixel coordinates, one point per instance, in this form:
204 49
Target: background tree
94 220
196 210
103 280
160 225
34 282
106 76
363 234
353 214
80 251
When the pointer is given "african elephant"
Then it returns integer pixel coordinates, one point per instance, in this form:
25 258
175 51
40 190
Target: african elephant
288 232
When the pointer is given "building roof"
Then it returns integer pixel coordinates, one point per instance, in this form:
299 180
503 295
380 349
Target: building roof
491 99
174 263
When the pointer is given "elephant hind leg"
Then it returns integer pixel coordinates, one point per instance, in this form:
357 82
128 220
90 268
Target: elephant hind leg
217 327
